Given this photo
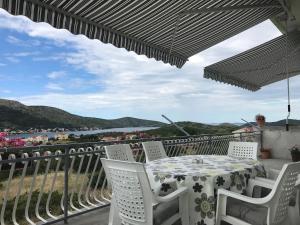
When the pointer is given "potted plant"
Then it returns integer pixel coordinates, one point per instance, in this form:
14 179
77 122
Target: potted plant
295 153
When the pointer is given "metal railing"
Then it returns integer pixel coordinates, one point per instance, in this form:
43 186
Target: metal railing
47 184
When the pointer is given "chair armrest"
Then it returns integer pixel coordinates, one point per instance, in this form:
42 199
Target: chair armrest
156 191
260 182
273 174
263 182
180 191
256 201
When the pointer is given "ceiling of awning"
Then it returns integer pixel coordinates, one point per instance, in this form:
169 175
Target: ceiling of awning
167 30
260 66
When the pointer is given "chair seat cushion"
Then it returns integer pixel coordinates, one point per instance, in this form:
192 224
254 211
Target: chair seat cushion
250 213
164 211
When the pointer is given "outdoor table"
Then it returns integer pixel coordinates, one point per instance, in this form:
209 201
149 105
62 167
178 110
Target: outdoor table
203 179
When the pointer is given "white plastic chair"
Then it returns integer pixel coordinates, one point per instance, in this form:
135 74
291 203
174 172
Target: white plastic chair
243 150
154 150
121 152
136 204
294 211
238 209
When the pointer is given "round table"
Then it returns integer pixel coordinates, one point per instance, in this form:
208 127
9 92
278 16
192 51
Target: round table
202 175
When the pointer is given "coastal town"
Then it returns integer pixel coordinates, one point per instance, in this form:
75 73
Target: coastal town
13 131
8 140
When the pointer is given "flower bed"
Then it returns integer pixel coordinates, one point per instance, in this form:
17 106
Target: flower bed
6 142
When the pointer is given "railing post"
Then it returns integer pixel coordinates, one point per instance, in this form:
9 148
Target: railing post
261 139
66 185
241 136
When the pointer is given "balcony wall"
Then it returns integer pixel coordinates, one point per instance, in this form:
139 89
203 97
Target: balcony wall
280 140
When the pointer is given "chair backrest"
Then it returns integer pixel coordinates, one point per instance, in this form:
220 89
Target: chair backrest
283 189
131 191
121 152
154 150
244 150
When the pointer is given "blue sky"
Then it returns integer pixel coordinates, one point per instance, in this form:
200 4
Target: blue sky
40 65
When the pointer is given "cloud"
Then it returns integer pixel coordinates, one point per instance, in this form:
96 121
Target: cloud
12 59
5 91
2 64
129 84
56 74
13 40
54 87
19 42
22 54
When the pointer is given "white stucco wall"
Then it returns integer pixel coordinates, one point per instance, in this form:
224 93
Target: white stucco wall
280 140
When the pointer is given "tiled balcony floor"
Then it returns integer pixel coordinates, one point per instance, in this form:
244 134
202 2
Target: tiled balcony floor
98 217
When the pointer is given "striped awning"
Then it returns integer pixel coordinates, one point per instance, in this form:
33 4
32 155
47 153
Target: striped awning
260 66
167 30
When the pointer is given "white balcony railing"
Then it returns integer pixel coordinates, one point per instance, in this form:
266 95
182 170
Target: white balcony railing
46 184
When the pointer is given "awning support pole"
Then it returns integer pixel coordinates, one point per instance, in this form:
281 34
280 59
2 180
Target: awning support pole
287 76
178 127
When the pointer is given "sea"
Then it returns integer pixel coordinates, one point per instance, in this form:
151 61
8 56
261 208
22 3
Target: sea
88 132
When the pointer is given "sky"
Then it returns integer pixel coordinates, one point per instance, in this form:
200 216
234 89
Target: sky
41 65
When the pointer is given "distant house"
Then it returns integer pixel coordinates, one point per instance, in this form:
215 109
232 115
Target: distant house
131 136
37 139
61 136
109 138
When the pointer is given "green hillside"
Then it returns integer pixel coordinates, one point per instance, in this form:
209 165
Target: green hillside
193 129
19 116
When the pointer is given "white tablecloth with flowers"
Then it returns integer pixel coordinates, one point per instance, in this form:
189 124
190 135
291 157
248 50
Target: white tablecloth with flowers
203 180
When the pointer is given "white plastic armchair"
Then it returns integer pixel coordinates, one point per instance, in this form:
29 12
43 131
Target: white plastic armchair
294 210
136 204
154 150
243 150
121 152
237 209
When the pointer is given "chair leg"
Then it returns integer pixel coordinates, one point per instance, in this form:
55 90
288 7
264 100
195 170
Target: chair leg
221 208
294 212
183 209
114 218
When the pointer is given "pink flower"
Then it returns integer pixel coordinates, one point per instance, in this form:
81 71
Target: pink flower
17 142
3 134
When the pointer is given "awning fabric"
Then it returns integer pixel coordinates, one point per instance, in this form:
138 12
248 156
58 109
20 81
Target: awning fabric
167 30
260 66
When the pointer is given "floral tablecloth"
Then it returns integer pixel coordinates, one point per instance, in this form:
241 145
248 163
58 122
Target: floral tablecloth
203 180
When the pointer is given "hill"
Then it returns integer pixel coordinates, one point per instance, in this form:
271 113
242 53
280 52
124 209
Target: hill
292 122
13 114
193 129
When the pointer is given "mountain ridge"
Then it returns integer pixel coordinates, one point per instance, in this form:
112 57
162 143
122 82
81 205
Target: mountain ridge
14 114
